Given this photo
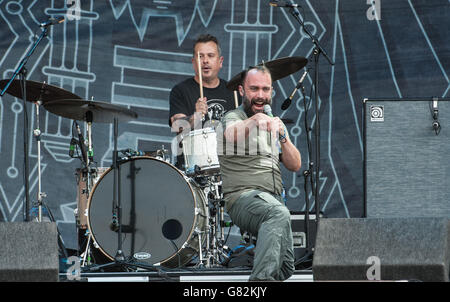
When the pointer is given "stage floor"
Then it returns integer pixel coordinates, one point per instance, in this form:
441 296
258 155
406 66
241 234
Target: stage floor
191 275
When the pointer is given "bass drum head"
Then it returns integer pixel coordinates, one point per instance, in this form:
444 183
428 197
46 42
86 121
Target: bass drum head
158 211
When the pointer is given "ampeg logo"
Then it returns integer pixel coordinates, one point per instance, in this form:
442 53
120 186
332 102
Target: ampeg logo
377 113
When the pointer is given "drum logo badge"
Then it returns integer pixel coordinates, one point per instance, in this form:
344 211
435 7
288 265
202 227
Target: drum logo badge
142 256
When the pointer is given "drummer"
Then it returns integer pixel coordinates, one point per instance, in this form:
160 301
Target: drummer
188 110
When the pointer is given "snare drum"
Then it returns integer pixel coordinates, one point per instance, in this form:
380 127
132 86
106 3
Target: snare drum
163 213
200 149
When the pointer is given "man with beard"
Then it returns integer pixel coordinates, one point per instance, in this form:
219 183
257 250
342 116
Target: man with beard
254 144
187 110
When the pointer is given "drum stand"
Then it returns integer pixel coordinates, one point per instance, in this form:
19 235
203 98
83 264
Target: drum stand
86 159
87 177
211 255
37 135
41 195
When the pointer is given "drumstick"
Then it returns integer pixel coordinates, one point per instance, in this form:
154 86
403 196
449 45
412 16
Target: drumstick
200 79
236 99
200 75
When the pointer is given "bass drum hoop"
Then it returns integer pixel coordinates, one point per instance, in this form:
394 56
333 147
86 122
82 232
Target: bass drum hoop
199 219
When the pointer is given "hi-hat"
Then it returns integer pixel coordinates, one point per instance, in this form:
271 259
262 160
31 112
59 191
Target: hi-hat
37 91
279 69
90 111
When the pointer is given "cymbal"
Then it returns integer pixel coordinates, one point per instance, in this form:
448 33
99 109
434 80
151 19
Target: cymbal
37 91
279 68
102 112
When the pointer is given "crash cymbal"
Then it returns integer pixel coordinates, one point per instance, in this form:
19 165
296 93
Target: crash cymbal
102 112
279 69
37 91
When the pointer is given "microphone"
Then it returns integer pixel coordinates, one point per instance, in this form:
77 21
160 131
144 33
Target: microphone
268 110
282 4
52 21
81 142
288 101
73 143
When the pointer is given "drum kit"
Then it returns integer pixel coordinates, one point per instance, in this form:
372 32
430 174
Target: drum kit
143 210
168 217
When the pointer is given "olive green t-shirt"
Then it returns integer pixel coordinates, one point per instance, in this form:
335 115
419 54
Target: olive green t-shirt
252 163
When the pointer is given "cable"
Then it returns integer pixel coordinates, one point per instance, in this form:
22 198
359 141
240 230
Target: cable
176 251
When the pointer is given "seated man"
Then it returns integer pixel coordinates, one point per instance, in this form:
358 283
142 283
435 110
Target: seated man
187 111
254 143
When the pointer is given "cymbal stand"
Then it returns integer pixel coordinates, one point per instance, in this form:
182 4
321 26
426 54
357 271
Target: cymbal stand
22 72
89 153
87 159
37 135
41 195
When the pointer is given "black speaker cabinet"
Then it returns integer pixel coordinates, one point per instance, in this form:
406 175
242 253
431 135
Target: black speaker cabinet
413 249
28 252
407 157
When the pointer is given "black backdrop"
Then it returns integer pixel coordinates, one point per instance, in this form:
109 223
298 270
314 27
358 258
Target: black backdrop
131 52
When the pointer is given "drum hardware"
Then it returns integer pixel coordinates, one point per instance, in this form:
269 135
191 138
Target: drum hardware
82 179
42 195
99 112
214 250
37 93
37 135
89 112
159 154
168 212
116 224
86 253
27 91
200 152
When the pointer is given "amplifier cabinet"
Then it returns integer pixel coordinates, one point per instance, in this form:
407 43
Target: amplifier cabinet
407 157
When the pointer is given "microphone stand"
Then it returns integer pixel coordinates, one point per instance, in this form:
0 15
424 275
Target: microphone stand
318 50
116 196
120 259
22 72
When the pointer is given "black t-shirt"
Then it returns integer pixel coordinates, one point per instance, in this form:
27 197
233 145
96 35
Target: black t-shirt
185 94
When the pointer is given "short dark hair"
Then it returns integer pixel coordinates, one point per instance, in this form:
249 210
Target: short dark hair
204 38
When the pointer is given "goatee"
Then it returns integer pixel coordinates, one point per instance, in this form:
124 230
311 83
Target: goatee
247 104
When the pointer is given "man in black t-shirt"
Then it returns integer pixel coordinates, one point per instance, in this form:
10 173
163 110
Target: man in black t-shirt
186 106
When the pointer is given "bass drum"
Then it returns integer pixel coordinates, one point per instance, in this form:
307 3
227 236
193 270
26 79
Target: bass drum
163 213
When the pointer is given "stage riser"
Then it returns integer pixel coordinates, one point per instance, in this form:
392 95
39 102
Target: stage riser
382 249
28 252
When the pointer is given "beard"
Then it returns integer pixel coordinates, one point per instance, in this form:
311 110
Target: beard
248 104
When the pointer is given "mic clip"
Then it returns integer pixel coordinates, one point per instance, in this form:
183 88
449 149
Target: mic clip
73 144
435 114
